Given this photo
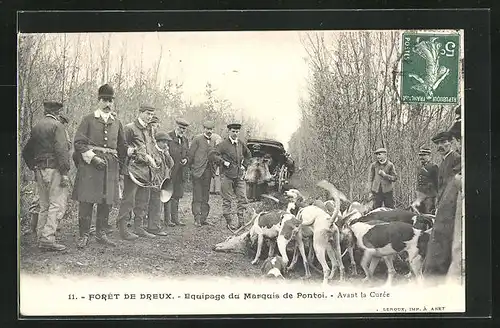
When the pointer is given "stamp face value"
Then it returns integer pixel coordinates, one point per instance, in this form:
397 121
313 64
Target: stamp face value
430 68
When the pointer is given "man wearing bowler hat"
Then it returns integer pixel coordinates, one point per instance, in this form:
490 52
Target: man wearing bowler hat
47 153
444 250
427 183
141 159
381 178
100 151
178 148
232 155
202 170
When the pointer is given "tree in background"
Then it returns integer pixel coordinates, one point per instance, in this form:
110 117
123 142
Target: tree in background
354 108
70 68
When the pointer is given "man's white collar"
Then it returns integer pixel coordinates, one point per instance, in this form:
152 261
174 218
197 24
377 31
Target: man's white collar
53 116
141 122
233 141
446 155
99 113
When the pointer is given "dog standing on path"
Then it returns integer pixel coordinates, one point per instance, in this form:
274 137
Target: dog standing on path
312 221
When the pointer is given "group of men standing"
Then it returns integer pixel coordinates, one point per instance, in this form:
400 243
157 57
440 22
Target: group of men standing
431 178
104 154
439 192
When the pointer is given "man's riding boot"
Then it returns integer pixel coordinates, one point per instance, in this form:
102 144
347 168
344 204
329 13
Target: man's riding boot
103 239
197 221
51 246
108 228
167 216
124 233
139 230
100 235
84 227
174 212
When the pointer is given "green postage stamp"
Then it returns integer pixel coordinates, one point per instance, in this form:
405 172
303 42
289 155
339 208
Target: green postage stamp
430 68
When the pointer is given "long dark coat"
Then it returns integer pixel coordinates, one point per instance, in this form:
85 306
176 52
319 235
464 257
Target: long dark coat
92 185
439 248
427 179
450 166
178 151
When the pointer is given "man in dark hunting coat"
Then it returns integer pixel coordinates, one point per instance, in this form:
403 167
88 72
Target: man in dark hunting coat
427 183
202 170
445 242
233 156
142 158
100 151
47 153
381 178
179 148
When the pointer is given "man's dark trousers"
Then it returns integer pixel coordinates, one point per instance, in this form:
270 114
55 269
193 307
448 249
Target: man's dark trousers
201 195
385 199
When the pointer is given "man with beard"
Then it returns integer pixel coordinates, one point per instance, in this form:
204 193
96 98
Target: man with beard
202 170
427 183
178 147
382 175
232 155
47 153
135 196
100 151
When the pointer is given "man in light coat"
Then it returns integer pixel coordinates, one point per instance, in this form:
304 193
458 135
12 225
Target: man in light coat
47 153
381 177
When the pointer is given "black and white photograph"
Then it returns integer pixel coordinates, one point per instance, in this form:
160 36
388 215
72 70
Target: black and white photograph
241 172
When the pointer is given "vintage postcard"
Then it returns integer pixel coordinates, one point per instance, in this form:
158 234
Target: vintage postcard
243 172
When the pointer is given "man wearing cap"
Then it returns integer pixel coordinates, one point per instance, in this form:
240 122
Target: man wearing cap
232 155
100 151
202 170
381 177
427 180
34 208
451 160
444 251
179 148
47 153
142 157
155 204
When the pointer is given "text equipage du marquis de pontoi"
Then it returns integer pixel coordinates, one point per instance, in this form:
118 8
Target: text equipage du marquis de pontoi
237 296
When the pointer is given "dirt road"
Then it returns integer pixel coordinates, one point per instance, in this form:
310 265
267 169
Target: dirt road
186 250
